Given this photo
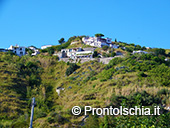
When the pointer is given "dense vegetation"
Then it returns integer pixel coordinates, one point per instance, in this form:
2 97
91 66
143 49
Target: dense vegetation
132 80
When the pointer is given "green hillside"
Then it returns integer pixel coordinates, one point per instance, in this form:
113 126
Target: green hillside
134 80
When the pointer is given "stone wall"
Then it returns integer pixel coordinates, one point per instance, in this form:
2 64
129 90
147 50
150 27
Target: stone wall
82 60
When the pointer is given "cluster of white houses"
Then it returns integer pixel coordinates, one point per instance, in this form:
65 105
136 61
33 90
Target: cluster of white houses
21 50
75 53
99 42
18 50
72 53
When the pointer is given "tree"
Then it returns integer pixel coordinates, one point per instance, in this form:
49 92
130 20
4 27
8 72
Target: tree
61 40
143 48
106 124
113 54
115 40
168 54
138 47
160 51
30 52
129 49
10 52
141 74
105 55
132 44
99 35
50 50
92 122
72 67
95 54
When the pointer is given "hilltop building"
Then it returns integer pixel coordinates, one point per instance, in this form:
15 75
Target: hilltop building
45 46
99 42
18 50
35 50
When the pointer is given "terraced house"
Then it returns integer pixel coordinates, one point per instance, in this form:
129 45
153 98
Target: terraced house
74 53
18 50
99 42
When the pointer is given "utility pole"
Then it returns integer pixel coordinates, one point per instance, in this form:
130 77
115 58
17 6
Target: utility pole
32 112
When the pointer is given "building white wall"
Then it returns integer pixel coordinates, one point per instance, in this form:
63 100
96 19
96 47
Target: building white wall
18 50
46 46
140 51
98 42
73 53
84 52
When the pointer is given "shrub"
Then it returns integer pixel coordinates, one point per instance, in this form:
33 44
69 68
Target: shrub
93 78
163 92
159 51
72 78
43 50
68 63
113 62
141 74
117 100
92 122
112 54
105 55
102 80
87 79
41 114
95 54
72 67
99 35
105 47
143 98
94 85
50 120
50 50
129 49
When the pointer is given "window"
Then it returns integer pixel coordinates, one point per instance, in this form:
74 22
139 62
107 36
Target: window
20 48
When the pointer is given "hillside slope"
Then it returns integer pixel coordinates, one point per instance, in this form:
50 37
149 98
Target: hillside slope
91 83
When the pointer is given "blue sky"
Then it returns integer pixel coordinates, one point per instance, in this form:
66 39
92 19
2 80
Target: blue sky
41 22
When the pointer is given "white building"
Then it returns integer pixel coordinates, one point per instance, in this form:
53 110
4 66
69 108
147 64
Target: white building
35 51
140 51
99 42
77 53
46 46
18 50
